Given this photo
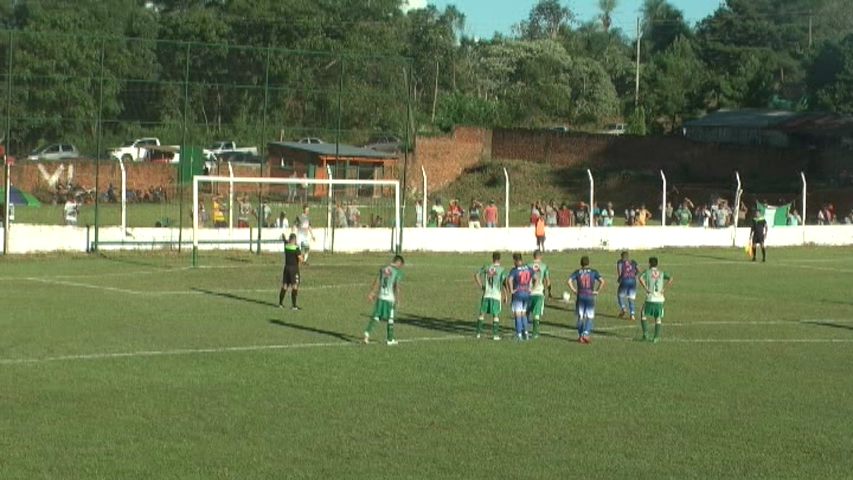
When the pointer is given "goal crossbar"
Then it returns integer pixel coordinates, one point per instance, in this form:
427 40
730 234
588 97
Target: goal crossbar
398 221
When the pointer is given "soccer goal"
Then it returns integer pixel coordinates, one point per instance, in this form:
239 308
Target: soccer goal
246 212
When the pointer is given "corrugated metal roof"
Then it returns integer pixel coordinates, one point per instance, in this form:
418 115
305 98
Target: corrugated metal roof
747 118
330 150
818 121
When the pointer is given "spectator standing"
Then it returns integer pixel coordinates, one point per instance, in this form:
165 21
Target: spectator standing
719 215
668 213
244 212
292 188
305 189
564 216
551 214
474 213
596 214
341 216
282 222
631 216
582 215
490 215
438 212
539 230
607 214
683 216
534 214
643 216
454 215
218 213
353 215
419 213
70 211
794 218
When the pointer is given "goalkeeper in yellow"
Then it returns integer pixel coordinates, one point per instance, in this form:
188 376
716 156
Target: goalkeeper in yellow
655 282
387 285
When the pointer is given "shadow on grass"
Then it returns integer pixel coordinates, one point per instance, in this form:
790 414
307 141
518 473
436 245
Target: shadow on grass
231 296
448 325
830 325
304 328
709 257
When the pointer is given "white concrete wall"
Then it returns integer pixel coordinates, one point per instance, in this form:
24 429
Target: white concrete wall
38 238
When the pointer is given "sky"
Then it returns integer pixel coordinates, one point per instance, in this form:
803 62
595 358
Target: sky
485 17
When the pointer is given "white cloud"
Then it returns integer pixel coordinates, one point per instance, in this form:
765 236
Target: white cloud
414 5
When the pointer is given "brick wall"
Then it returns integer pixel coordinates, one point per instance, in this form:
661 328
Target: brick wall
444 158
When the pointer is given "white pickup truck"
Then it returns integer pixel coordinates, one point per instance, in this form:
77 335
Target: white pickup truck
134 150
228 147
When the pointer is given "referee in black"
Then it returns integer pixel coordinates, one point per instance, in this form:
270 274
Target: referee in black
290 277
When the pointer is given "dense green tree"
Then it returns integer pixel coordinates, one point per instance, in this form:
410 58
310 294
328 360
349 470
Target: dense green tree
831 77
675 85
547 20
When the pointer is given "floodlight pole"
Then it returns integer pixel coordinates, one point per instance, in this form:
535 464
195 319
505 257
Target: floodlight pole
426 199
7 187
663 209
231 201
123 199
195 222
590 218
736 209
506 201
328 236
805 215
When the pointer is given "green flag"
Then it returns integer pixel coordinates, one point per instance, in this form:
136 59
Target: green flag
776 216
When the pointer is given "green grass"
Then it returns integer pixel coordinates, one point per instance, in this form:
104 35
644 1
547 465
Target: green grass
135 366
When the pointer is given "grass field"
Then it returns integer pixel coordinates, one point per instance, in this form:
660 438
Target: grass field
136 367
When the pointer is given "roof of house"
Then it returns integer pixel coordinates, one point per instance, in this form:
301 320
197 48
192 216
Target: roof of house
819 122
331 149
747 118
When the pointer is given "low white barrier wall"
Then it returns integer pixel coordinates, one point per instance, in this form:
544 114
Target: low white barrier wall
39 238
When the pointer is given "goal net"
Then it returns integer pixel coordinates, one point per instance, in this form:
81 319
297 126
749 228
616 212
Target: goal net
253 213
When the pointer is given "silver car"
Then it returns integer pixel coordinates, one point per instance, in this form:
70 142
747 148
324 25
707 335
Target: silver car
57 151
385 143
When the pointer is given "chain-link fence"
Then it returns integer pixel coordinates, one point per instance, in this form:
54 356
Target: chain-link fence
74 105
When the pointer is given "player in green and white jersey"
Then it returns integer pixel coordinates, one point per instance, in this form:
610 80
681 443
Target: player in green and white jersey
655 282
492 281
541 281
387 285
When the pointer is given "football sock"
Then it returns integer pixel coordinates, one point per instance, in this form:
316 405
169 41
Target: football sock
657 329
587 329
390 329
524 325
763 253
293 294
631 305
479 325
645 325
281 296
518 325
496 329
535 325
580 328
621 300
371 325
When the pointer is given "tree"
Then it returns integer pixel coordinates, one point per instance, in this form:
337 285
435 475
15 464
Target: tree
607 8
547 20
830 77
663 24
675 84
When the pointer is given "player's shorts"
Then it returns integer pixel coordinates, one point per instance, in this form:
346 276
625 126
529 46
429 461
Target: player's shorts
536 307
383 310
290 276
490 306
757 240
628 291
585 308
540 238
520 304
653 310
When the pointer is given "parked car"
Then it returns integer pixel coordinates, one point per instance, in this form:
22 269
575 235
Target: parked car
614 129
312 140
57 151
385 143
229 146
134 150
246 158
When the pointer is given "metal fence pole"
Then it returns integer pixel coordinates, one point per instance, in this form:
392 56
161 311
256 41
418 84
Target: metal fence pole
805 212
99 147
183 148
663 210
261 216
8 141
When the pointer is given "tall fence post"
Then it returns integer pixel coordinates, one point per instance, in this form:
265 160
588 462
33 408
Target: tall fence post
805 212
590 216
123 199
99 148
230 200
7 187
327 240
736 210
6 169
663 211
425 200
506 200
184 129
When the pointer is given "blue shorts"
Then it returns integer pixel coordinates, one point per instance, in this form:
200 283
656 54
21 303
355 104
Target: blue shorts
629 291
520 304
585 308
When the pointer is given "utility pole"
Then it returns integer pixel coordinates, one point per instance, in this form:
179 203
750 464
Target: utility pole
637 77
811 38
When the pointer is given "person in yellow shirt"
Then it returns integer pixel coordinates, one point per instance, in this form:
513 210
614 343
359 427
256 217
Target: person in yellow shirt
218 213
643 215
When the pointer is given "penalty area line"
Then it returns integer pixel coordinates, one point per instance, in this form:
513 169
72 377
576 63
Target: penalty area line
201 351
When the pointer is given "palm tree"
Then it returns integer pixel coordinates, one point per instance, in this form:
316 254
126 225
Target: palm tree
607 8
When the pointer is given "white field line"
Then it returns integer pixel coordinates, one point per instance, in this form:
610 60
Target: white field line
445 338
812 267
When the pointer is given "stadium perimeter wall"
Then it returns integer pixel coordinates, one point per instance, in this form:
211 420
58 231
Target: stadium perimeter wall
39 238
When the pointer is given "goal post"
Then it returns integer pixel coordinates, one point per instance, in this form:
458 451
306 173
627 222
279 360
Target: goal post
296 182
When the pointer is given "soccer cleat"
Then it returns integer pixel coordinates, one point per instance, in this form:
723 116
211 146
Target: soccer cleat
366 339
644 338
391 342
280 306
622 314
535 336
580 340
585 339
656 340
478 335
295 308
496 338
518 337
633 318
